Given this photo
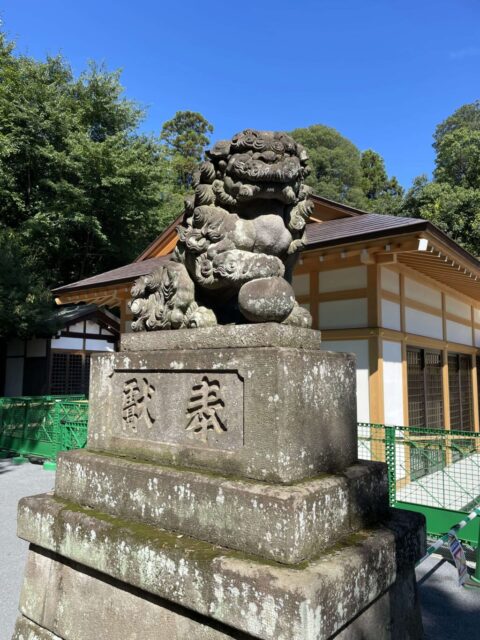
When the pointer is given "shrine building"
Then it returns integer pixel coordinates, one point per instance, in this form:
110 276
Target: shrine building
397 292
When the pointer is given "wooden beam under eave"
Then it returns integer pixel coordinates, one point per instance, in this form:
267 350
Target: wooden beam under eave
99 295
386 258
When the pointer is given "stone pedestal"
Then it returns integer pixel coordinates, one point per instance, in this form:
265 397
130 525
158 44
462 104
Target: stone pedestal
220 497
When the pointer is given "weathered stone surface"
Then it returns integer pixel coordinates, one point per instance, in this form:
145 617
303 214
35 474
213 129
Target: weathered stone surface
266 300
227 337
394 616
274 414
238 514
267 600
244 223
76 603
25 629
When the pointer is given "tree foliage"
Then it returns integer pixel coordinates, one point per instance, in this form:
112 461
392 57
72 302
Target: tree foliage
452 199
186 136
81 190
342 173
384 194
24 300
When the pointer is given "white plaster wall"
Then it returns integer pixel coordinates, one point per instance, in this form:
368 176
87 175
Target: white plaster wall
37 348
343 314
98 345
393 395
422 293
301 284
392 383
92 327
14 377
342 279
77 327
390 280
457 332
458 308
360 349
67 343
390 315
423 324
477 337
476 315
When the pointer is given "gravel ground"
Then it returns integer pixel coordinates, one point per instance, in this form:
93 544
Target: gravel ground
449 612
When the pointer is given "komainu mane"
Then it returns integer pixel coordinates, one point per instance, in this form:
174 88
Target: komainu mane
238 242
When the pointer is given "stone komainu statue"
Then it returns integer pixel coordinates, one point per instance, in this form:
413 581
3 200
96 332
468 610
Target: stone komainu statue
238 242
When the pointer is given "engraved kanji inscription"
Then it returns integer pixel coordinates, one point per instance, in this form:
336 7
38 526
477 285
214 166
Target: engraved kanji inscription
137 394
203 409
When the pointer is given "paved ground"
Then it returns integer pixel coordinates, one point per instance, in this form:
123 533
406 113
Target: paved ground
16 481
449 612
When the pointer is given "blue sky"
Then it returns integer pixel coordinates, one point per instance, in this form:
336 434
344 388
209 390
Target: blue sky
382 72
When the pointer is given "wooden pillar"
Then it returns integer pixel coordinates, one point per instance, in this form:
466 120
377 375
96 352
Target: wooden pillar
406 418
402 305
446 402
123 315
377 415
373 296
375 380
476 410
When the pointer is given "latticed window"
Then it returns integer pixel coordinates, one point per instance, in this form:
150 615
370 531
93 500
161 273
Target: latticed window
416 388
69 373
460 390
425 393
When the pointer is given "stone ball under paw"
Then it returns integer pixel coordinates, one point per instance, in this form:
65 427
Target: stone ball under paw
266 300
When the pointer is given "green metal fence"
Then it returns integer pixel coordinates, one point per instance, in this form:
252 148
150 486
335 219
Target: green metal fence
40 427
432 471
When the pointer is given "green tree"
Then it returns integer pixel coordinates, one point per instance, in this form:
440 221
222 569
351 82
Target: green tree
341 172
455 210
25 303
81 190
186 136
457 146
335 164
383 193
452 199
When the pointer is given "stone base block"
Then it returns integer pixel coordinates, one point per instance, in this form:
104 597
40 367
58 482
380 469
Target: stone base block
283 523
53 587
73 602
26 629
310 601
278 413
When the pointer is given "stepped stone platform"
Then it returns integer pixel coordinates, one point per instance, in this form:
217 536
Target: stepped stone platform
220 497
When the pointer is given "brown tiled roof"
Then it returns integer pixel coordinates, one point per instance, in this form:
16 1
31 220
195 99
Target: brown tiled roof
323 234
125 274
356 228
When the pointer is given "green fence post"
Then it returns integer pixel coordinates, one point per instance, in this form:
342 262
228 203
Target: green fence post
390 459
57 427
475 578
23 448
